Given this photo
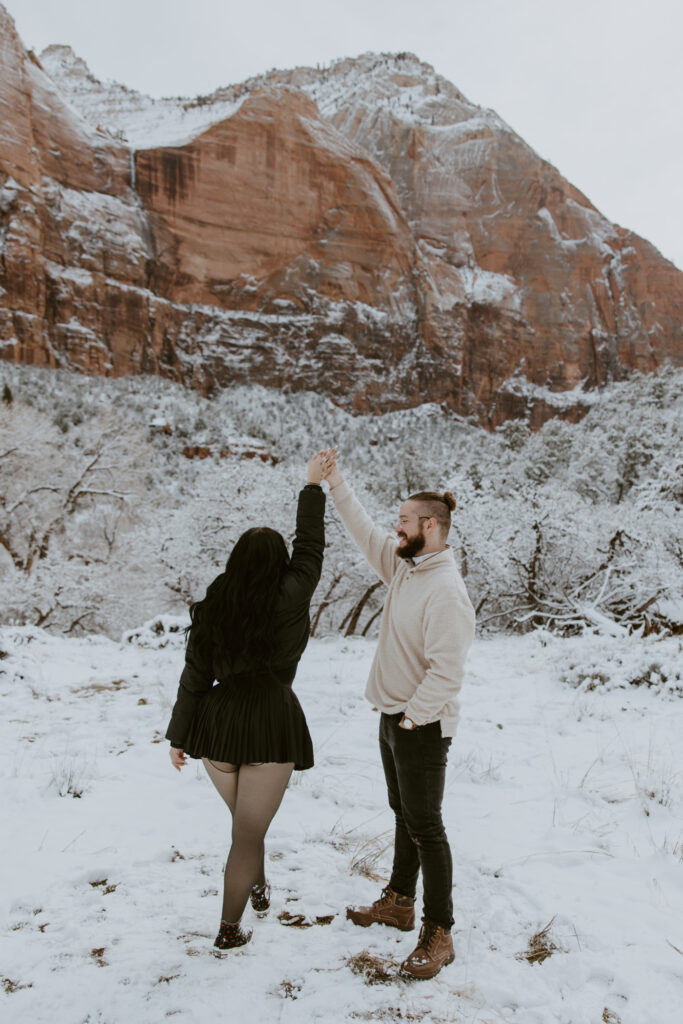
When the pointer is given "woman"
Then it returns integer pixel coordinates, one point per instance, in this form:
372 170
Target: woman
249 730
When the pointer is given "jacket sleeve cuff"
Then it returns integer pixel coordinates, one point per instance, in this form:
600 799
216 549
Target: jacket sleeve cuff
342 490
415 718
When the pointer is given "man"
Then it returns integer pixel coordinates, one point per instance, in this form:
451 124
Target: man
426 629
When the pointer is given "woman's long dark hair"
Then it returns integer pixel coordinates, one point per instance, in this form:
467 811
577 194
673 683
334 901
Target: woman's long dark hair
235 617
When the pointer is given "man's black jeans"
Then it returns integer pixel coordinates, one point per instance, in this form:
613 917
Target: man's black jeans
414 763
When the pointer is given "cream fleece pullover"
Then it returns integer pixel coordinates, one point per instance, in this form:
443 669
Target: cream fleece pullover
426 629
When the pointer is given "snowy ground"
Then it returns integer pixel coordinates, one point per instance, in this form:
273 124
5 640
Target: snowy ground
563 805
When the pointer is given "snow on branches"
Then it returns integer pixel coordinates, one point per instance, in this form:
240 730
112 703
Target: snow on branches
105 520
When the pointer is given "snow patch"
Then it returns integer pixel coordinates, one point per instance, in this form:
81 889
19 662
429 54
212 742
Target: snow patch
129 116
557 803
518 384
489 289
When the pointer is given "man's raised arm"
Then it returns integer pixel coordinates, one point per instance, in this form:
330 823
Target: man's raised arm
376 544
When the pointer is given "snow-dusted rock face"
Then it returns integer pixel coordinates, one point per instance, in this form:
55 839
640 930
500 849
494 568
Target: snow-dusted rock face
274 201
362 230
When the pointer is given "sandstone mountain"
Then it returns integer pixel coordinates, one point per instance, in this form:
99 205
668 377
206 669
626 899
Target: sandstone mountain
363 231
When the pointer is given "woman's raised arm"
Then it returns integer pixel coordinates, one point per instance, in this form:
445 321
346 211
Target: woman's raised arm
308 547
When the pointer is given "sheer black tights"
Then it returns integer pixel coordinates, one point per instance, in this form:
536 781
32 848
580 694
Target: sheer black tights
253 792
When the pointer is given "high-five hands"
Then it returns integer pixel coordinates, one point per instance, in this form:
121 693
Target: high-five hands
331 472
323 466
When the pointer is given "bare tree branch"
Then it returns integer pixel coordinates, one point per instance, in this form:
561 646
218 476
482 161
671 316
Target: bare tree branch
34 490
358 608
324 603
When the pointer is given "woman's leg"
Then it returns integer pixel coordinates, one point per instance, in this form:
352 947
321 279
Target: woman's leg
259 793
224 777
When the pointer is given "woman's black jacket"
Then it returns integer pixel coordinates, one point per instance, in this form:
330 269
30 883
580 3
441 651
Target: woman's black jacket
291 622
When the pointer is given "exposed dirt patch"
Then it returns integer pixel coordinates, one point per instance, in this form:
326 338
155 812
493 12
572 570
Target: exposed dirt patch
302 921
375 970
104 885
91 688
98 956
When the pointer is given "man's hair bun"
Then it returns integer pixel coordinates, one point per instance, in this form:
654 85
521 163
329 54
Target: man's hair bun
437 505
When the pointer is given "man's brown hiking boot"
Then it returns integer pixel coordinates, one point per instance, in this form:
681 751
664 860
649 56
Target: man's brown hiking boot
391 908
434 950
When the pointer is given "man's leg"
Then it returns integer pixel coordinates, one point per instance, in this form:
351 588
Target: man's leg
406 864
419 757
395 907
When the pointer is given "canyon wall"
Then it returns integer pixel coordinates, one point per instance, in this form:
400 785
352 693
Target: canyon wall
363 231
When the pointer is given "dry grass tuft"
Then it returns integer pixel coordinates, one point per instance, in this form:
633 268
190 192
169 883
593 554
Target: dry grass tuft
540 946
610 1017
392 1013
68 777
375 970
13 986
364 861
98 956
102 884
289 989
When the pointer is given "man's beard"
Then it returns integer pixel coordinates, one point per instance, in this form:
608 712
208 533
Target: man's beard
411 547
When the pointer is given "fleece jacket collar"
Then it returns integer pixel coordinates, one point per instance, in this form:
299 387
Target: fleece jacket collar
444 557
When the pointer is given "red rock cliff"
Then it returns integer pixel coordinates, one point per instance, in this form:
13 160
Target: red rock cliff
363 231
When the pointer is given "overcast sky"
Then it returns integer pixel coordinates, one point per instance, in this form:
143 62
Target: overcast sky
595 86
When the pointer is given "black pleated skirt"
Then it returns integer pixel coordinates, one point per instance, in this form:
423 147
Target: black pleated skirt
251 722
